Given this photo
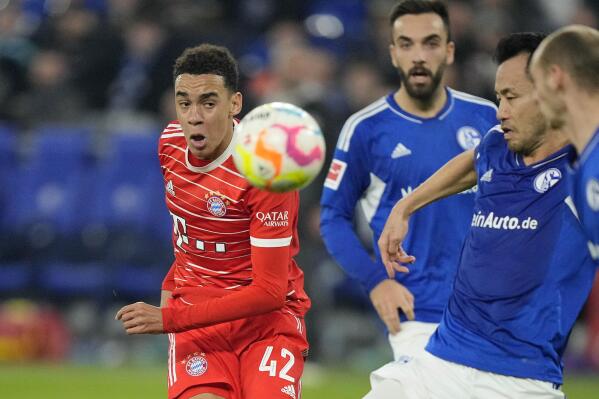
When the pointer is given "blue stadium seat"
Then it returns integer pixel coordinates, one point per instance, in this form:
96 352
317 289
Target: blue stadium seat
137 282
46 207
50 184
128 199
8 164
15 278
59 280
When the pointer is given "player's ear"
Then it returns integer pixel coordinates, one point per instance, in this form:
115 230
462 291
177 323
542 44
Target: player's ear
236 103
392 55
556 77
450 52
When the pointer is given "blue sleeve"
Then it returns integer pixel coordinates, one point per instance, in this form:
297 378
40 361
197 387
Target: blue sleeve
347 179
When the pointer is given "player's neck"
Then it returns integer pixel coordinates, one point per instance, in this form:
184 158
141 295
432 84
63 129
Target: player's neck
554 141
421 108
583 120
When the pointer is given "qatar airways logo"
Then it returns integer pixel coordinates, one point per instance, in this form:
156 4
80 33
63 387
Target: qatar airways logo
491 221
274 219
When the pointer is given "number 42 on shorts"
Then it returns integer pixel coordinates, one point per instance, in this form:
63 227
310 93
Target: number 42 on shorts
271 367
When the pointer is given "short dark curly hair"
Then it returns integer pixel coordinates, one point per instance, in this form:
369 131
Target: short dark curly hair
208 59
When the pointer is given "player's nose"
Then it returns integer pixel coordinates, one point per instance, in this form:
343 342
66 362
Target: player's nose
502 111
195 116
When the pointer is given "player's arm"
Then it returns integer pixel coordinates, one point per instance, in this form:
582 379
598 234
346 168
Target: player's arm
266 293
455 176
168 285
347 180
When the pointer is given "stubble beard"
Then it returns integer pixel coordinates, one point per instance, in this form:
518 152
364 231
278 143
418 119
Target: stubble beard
425 93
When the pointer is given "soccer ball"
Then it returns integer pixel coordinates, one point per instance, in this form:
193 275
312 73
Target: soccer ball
279 148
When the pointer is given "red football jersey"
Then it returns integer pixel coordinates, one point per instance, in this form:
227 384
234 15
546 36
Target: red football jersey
217 217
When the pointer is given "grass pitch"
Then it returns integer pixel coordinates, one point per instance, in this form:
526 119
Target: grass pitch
92 382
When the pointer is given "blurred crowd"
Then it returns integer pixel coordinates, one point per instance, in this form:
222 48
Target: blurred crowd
106 66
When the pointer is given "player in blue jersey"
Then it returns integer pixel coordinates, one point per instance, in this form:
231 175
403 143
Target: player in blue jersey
565 69
524 271
389 148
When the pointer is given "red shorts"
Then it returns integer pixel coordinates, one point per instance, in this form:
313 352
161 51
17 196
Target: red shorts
257 357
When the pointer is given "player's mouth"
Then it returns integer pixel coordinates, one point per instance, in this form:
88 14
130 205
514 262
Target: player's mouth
420 75
507 132
198 141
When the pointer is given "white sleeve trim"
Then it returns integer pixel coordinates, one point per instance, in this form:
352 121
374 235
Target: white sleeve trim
270 242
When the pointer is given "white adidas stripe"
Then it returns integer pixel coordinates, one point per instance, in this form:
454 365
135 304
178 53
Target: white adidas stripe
349 127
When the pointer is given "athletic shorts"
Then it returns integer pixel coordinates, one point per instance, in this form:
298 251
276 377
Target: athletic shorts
257 357
429 377
411 338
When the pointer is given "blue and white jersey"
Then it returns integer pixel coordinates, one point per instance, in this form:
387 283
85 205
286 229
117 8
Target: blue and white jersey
585 192
524 273
383 153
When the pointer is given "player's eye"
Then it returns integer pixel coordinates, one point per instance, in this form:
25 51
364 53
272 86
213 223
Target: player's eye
405 45
432 44
183 104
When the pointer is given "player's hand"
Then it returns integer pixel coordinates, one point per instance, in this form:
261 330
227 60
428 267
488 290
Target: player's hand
392 253
387 297
141 318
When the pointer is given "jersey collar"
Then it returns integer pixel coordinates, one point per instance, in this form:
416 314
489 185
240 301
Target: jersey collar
418 119
218 161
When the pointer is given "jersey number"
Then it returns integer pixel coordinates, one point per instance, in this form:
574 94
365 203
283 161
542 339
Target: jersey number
271 367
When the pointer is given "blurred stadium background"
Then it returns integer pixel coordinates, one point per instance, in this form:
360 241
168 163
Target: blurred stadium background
85 89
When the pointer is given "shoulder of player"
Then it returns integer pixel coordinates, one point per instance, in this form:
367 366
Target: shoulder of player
172 131
172 136
473 101
493 138
358 122
261 200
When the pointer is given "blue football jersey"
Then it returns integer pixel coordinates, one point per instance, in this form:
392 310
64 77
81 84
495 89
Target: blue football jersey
383 153
585 192
524 273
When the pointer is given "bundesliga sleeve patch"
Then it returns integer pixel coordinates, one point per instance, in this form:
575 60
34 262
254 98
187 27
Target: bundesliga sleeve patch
335 174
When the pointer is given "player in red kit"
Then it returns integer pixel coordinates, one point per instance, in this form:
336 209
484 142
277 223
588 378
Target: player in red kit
233 302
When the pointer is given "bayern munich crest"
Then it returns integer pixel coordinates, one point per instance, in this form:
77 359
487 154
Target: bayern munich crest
216 204
196 365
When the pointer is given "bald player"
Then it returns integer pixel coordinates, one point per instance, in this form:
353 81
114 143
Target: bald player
565 71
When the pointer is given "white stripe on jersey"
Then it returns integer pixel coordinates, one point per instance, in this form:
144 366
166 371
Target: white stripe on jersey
472 99
217 272
548 161
216 232
371 198
405 116
172 360
199 185
174 146
185 302
572 207
270 242
203 217
204 173
348 129
176 134
442 116
232 171
209 257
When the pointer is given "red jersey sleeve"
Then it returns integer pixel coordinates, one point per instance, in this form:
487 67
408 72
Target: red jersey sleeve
273 218
265 294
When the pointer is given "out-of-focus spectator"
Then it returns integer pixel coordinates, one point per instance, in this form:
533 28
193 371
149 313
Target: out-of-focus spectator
50 97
